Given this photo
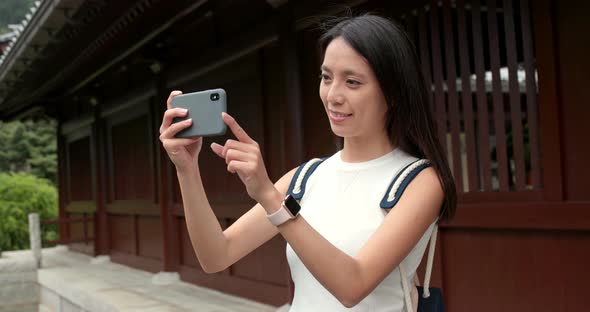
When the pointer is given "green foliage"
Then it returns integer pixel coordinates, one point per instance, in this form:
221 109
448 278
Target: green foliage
13 12
21 194
29 146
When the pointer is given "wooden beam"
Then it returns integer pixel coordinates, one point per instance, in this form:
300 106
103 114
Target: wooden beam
133 207
81 206
545 215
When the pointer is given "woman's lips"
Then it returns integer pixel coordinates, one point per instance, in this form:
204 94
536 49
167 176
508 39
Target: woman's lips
338 116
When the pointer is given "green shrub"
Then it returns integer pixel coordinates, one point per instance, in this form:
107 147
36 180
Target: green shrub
21 194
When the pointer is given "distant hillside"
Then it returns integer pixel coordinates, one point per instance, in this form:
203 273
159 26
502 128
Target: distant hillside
12 12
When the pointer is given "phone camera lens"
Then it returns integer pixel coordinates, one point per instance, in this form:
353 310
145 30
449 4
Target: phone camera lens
214 96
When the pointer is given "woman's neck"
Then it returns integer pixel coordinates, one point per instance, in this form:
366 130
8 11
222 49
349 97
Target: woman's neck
357 149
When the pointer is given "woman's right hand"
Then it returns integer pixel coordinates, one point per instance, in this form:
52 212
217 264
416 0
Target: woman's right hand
183 152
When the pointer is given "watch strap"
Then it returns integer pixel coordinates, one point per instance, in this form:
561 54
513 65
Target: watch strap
280 216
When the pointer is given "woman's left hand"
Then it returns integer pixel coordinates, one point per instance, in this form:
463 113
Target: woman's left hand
243 157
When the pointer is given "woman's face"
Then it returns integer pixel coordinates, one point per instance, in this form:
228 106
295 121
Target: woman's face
351 93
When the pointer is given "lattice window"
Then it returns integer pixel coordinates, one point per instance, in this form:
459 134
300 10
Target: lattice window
479 59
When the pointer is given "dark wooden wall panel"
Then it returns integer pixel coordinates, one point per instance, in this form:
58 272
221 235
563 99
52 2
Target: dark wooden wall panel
90 227
187 253
80 169
122 234
81 234
76 228
319 140
176 198
132 170
149 231
515 270
267 264
574 65
274 97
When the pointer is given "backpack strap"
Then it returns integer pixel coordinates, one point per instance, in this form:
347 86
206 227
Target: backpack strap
401 181
299 180
426 286
429 261
390 199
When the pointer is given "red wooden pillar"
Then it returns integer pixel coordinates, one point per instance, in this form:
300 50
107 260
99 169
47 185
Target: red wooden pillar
101 228
545 50
163 166
62 185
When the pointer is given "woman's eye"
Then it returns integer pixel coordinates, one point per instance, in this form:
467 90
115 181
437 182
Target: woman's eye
324 77
352 82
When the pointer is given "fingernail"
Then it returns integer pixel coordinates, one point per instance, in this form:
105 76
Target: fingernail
184 110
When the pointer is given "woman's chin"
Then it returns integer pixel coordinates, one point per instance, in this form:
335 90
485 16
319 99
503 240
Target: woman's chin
338 131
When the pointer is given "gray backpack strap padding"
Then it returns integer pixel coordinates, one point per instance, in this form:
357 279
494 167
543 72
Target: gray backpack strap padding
401 181
297 186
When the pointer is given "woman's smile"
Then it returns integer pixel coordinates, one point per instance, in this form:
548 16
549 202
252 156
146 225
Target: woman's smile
338 117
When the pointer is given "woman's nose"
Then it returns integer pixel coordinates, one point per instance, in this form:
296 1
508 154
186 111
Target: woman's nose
335 94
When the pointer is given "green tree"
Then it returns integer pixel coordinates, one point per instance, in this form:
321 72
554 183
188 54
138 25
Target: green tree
13 12
21 194
29 146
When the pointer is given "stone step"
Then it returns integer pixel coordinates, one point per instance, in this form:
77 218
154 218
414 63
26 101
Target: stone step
44 308
29 307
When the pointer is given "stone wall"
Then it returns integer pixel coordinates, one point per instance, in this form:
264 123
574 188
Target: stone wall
19 290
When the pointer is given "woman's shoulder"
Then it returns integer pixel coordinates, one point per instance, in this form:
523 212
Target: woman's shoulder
300 175
314 163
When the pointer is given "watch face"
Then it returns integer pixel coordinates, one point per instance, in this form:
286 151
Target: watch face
292 204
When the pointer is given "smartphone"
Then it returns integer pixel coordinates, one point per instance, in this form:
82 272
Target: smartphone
205 108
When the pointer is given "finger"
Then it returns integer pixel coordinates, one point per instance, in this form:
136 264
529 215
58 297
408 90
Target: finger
233 154
171 131
233 144
217 149
240 134
235 166
169 116
173 145
172 94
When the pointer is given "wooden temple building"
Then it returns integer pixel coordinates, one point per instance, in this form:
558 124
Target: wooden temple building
509 85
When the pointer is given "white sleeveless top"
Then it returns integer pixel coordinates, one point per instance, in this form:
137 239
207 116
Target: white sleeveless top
341 202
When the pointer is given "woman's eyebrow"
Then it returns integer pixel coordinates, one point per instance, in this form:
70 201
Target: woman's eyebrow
346 72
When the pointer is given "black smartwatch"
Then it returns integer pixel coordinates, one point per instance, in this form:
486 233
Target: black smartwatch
289 210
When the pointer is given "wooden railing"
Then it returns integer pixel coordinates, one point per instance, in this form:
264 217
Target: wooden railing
88 237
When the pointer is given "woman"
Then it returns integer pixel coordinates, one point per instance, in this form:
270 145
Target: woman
343 249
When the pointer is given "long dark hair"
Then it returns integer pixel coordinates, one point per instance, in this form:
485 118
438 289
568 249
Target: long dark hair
392 57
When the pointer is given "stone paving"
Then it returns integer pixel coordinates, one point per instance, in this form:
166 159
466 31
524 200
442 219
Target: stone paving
71 281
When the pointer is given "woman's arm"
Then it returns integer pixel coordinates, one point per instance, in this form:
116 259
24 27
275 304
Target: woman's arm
217 249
